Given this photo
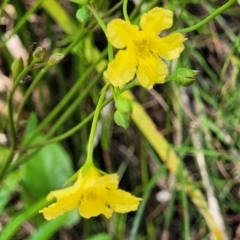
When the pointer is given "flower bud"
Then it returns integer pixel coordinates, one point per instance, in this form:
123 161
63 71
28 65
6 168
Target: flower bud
17 67
39 54
82 14
185 76
123 105
122 119
55 58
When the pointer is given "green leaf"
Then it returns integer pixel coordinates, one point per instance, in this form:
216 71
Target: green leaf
46 230
46 170
8 187
17 221
4 152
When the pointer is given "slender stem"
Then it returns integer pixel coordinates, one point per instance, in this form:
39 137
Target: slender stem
77 127
207 19
98 18
23 19
42 72
125 14
184 203
66 134
75 104
112 10
110 52
66 99
2 6
10 104
94 123
30 89
11 118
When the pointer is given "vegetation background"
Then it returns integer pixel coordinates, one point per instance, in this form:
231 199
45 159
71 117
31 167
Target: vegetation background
192 195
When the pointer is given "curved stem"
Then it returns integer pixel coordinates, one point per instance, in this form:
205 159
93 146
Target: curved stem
77 127
75 104
66 98
98 18
125 14
16 82
104 28
207 19
42 72
23 19
94 124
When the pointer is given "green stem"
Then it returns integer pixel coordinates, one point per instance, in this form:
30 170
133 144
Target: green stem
11 118
110 52
98 18
104 28
42 72
66 98
184 203
75 104
30 89
94 124
23 19
72 130
207 19
112 10
10 104
2 6
125 14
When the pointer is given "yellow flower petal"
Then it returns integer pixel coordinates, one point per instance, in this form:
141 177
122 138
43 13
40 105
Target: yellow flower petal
122 202
119 32
169 47
93 202
93 194
150 71
122 69
63 204
110 181
156 20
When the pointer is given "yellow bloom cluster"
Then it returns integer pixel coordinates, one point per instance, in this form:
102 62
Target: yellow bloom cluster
144 48
92 194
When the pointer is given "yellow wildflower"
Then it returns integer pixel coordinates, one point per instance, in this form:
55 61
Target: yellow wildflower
93 194
144 48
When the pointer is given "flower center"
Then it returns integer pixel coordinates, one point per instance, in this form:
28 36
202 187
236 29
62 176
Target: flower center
142 46
141 43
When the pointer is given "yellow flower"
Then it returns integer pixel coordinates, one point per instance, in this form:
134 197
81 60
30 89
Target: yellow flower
144 48
93 194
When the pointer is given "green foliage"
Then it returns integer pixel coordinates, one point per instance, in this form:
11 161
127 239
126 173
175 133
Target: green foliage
47 170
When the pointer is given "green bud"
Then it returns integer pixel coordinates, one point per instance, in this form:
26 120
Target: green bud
123 105
82 14
55 58
185 76
17 67
39 54
122 119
